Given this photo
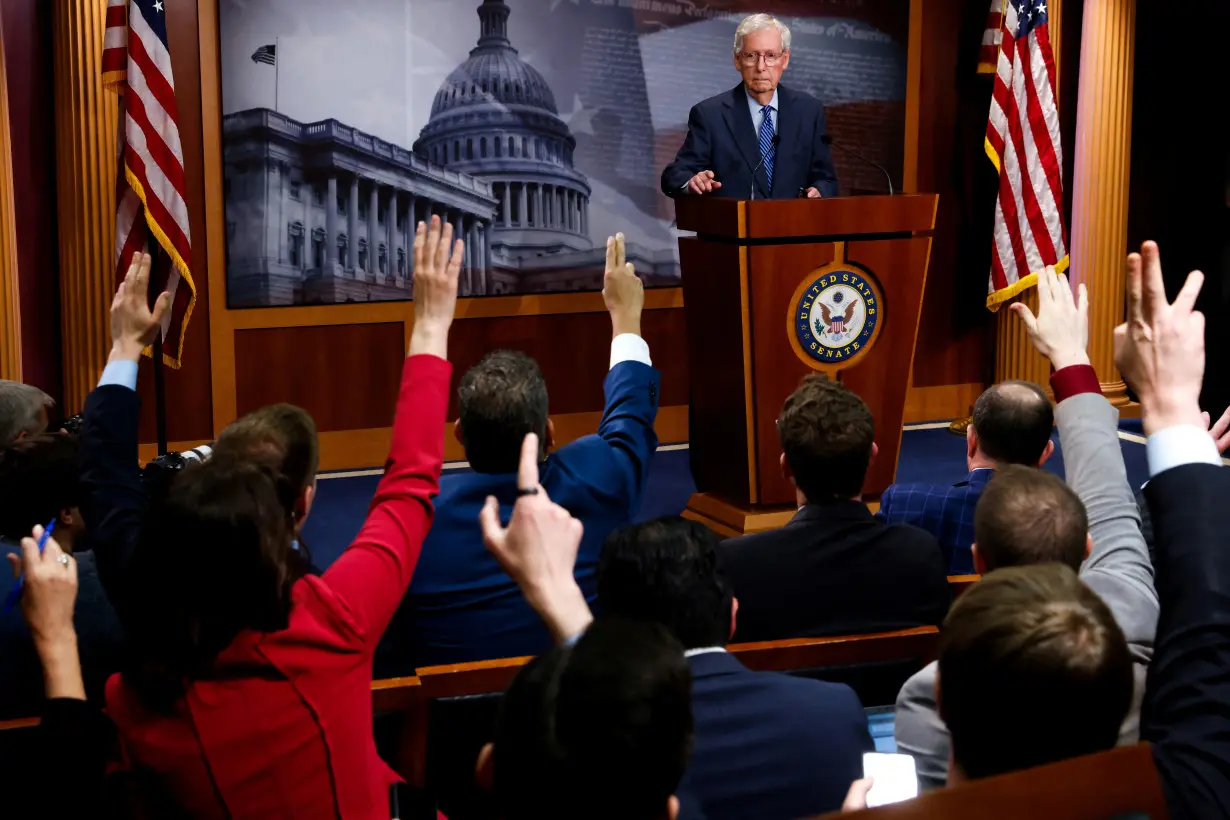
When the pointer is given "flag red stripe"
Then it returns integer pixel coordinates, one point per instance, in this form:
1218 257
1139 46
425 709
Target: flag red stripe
1012 220
1028 197
117 16
158 150
999 279
1037 121
155 207
154 79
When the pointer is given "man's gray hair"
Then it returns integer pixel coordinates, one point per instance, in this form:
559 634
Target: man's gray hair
758 22
21 409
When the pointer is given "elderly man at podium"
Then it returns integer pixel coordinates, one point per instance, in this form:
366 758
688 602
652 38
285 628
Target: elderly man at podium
760 140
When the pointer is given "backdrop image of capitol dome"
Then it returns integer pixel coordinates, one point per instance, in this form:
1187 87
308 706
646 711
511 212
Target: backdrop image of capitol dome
536 127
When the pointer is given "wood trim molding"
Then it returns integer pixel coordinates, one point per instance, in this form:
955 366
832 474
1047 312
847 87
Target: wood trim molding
85 173
948 401
10 293
913 99
369 448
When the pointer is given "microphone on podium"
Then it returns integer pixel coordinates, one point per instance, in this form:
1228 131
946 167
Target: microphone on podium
827 140
776 139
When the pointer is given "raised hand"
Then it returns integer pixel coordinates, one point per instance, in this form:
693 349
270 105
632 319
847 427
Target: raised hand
1160 348
538 549
622 290
703 183
1060 331
436 272
47 600
133 324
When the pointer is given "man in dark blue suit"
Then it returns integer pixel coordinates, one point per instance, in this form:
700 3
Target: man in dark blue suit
759 140
766 744
461 606
1012 424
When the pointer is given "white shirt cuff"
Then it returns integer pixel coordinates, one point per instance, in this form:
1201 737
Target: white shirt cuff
123 373
628 347
1179 445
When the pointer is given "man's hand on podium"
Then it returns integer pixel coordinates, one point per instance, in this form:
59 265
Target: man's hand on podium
622 289
703 183
813 193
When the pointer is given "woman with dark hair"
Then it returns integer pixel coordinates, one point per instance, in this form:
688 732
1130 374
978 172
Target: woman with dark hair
249 689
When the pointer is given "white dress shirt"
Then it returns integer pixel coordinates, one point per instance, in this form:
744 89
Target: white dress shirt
1176 446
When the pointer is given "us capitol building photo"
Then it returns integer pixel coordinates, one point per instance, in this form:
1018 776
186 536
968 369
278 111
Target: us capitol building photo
324 213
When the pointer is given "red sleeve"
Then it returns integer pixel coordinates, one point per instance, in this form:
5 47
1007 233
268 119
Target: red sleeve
371 576
1074 380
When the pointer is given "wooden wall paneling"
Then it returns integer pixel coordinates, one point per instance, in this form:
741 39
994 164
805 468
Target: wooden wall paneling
1101 187
85 164
573 352
346 376
29 69
954 101
913 98
10 297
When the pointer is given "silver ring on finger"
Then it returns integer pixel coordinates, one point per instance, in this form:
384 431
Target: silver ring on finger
62 559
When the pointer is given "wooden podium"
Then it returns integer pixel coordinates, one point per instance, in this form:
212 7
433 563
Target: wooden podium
774 290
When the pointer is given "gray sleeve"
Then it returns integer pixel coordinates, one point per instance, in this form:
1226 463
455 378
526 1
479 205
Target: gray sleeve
1118 569
918 730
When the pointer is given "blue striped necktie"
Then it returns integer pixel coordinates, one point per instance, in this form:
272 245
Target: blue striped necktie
766 145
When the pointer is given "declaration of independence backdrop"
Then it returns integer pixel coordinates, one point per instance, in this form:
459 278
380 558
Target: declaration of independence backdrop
538 127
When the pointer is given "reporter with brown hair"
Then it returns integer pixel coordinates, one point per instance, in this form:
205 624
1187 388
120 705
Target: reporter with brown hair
249 693
834 569
1033 518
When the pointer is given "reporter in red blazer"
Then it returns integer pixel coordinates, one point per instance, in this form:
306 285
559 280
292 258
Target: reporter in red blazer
249 694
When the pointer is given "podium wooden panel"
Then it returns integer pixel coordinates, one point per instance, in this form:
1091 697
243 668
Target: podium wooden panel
743 274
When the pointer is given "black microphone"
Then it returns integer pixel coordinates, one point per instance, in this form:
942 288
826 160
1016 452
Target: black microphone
773 143
827 140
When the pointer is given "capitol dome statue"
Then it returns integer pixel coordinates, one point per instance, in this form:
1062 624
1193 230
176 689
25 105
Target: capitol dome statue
495 118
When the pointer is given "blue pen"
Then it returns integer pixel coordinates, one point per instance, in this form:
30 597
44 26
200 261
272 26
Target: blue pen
15 593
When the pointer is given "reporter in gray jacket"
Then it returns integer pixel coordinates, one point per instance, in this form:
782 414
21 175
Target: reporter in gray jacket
1117 567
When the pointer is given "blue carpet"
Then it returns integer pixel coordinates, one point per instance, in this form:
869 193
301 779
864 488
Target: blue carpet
934 455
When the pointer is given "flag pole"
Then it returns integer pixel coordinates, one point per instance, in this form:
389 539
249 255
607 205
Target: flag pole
277 70
157 257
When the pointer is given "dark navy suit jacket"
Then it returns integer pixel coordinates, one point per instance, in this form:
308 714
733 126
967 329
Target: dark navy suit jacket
1184 715
945 512
769 745
100 642
722 139
461 605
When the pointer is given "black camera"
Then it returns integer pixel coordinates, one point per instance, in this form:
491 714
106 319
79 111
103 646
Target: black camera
72 424
159 472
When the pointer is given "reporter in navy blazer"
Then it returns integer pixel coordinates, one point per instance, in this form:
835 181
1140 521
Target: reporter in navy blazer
760 140
766 745
461 606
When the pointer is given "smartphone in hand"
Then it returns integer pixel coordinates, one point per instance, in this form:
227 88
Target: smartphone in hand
894 778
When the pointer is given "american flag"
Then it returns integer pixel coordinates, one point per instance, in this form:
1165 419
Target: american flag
150 186
988 56
266 54
1023 142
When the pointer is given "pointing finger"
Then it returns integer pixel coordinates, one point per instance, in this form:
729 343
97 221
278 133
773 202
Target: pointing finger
527 470
1135 299
489 522
1153 289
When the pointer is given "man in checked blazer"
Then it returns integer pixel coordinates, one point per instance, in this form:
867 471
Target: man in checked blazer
1011 425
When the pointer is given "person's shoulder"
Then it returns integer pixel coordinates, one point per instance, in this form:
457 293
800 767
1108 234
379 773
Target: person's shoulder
717 101
918 692
909 540
796 97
